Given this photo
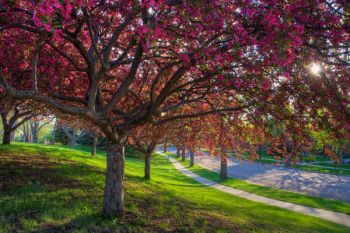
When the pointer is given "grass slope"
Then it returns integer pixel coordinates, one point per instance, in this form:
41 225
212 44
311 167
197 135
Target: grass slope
57 189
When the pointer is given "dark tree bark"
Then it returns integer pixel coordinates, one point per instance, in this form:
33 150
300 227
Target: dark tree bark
74 138
94 145
26 133
191 158
6 139
34 128
113 201
260 150
183 154
178 152
11 123
13 135
340 156
165 147
35 137
223 167
148 166
288 162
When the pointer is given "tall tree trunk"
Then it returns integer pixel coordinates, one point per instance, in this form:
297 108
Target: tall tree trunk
26 133
178 152
340 156
34 129
74 138
191 158
35 137
6 139
94 145
113 201
165 147
12 135
148 166
288 162
223 166
183 154
260 151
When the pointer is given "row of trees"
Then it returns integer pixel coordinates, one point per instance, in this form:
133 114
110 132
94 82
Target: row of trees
121 67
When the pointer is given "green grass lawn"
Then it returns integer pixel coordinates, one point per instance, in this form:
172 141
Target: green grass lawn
278 194
340 166
58 189
337 171
312 167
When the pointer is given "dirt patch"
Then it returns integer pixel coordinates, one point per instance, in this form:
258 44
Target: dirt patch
49 228
18 170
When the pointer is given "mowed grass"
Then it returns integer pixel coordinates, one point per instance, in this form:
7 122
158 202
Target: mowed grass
278 194
341 166
57 189
329 168
337 170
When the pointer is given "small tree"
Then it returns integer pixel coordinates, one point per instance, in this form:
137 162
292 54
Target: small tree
13 115
145 139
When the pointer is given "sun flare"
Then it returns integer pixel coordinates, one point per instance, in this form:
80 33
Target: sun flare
315 68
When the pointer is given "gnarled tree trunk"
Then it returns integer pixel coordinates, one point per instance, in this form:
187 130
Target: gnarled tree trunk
260 151
74 138
6 138
34 129
288 162
94 145
183 154
165 147
13 134
113 202
191 158
27 137
148 166
178 152
223 167
340 156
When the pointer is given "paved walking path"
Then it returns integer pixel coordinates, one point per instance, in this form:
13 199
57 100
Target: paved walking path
294 180
336 217
300 181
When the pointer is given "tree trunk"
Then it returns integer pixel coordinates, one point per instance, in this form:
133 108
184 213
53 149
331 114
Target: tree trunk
165 147
74 138
6 139
288 162
191 158
260 151
148 166
340 156
35 137
34 129
183 154
26 133
223 167
113 201
94 145
12 135
177 152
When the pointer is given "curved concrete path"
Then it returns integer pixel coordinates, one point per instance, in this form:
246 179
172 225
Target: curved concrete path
300 181
336 217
